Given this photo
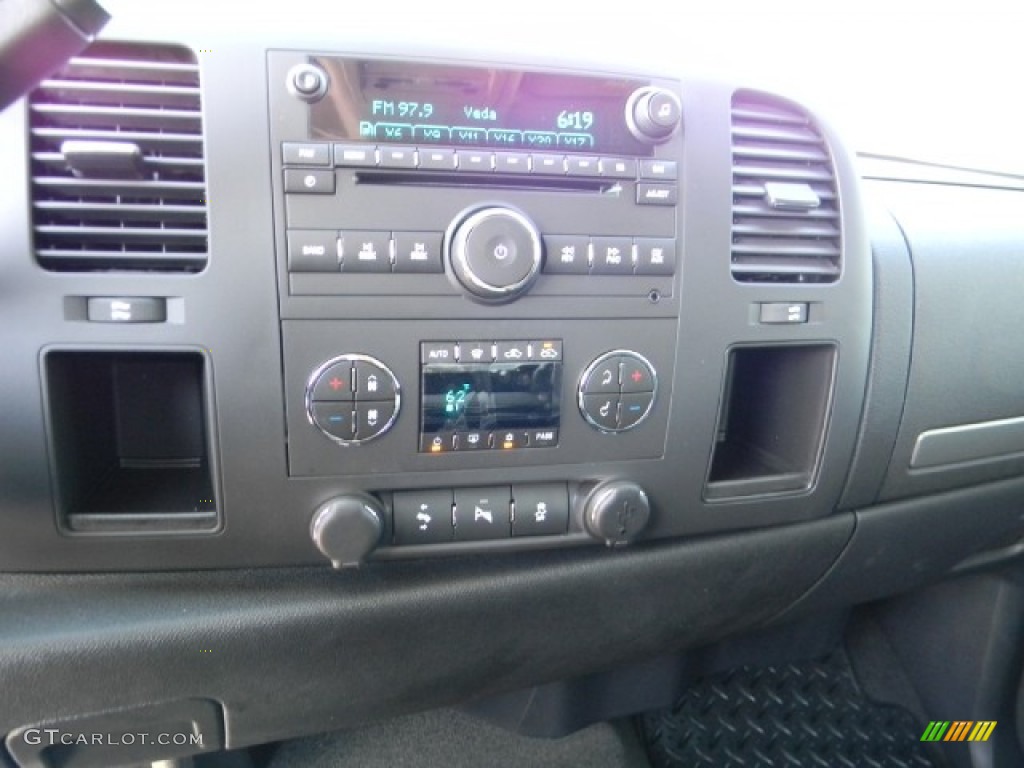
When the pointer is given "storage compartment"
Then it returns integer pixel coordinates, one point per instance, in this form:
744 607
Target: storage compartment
772 421
131 441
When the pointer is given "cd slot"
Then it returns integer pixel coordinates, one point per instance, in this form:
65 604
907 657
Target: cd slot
490 181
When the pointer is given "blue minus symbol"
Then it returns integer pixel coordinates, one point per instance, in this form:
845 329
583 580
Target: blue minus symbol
335 419
634 408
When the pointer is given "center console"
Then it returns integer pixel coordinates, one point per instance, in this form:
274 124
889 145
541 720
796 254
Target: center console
478 270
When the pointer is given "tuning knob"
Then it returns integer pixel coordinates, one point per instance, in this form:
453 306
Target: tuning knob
348 528
495 253
653 114
616 512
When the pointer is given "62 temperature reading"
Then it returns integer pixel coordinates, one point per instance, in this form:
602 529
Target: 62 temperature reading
575 120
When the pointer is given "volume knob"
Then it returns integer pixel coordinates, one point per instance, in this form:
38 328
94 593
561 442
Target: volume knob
653 114
495 253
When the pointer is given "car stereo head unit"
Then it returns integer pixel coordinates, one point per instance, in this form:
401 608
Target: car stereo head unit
423 178
393 102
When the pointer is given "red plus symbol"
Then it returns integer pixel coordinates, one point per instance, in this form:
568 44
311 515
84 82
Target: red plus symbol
336 383
636 376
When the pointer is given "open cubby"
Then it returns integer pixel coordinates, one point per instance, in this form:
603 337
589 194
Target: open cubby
772 421
131 441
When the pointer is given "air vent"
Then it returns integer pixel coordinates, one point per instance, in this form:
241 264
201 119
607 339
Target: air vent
785 210
117 162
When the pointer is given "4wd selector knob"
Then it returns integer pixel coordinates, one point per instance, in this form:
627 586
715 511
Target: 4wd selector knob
653 114
495 252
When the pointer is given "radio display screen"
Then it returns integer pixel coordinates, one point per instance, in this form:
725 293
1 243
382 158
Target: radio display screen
379 101
498 405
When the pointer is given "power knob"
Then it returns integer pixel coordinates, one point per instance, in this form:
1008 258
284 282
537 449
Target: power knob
616 512
653 114
495 253
348 528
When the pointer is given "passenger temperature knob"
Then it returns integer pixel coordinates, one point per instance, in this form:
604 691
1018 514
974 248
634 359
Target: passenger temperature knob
348 528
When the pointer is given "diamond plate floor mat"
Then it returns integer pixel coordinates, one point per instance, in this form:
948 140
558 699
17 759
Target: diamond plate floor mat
803 715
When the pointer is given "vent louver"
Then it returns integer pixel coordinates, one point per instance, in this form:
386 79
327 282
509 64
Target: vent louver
786 224
118 180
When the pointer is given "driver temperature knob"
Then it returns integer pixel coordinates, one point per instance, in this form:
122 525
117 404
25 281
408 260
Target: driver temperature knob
495 253
348 528
616 512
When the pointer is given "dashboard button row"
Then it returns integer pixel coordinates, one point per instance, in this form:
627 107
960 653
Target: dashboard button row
317 250
480 514
483 440
547 350
487 161
583 255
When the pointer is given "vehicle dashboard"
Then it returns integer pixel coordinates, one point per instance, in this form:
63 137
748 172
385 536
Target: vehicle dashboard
557 386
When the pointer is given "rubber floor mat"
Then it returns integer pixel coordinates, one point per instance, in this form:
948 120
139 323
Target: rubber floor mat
803 715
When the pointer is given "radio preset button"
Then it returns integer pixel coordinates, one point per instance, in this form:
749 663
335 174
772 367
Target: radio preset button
308 182
355 155
655 255
511 162
418 252
566 254
602 411
540 510
483 513
313 250
618 167
475 162
552 165
398 157
295 153
438 159
422 517
336 419
648 193
582 165
335 383
365 251
612 256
